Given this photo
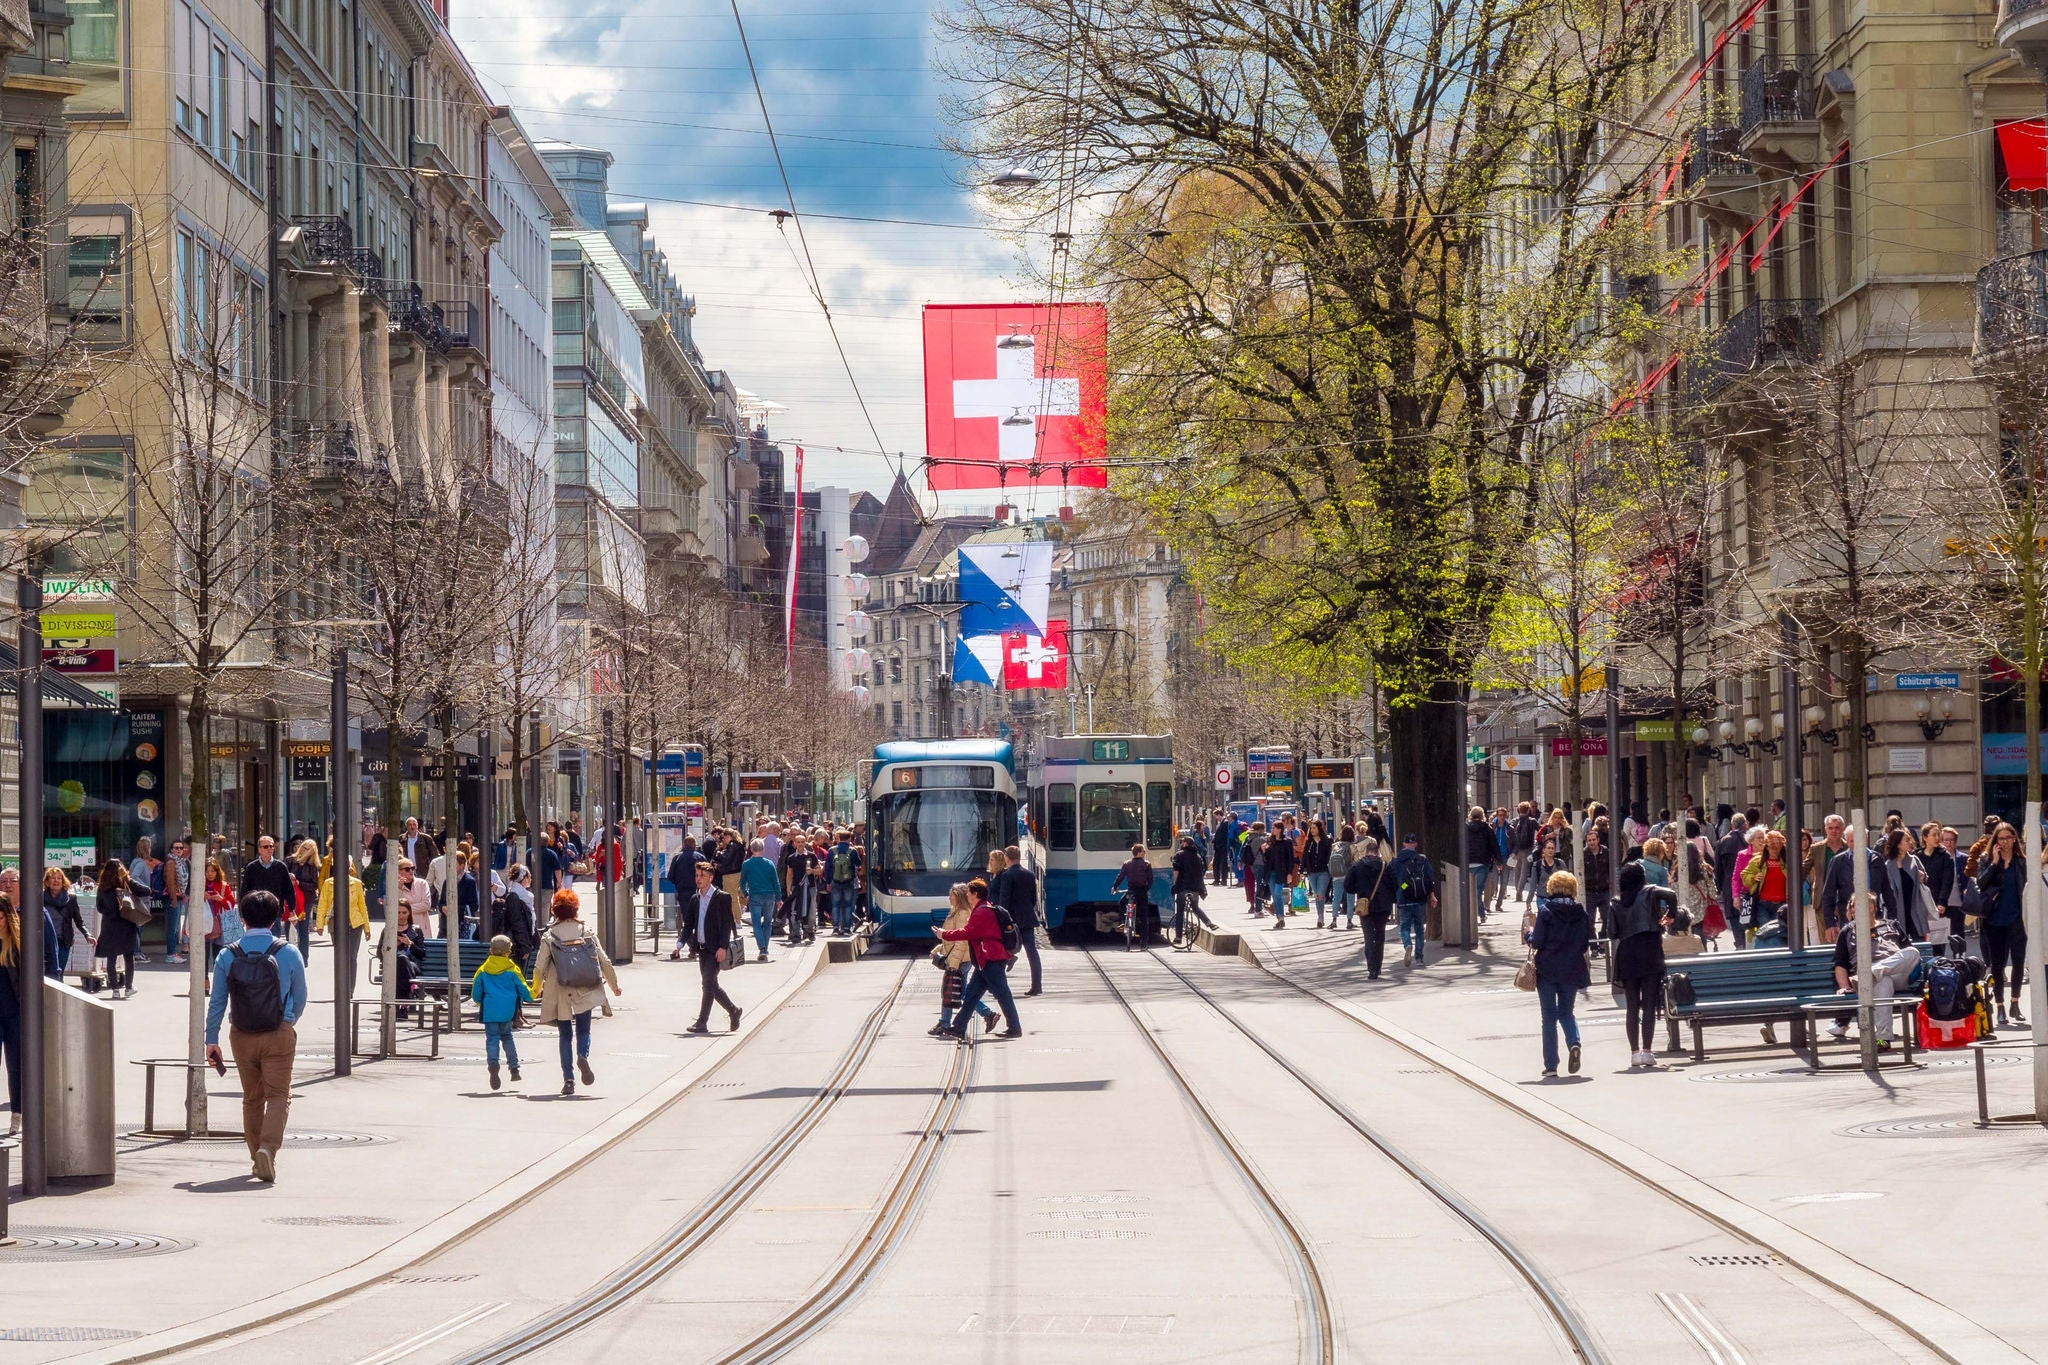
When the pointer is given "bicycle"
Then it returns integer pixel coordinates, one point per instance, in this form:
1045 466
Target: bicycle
1130 920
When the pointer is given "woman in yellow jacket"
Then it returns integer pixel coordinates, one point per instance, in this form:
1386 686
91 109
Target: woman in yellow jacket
358 911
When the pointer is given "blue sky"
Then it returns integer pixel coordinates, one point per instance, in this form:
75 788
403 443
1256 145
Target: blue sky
663 85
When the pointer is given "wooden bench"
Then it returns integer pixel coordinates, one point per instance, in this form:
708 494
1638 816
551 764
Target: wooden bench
1761 986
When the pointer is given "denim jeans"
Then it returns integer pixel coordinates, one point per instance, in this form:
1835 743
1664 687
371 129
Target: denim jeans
1557 999
1413 925
842 907
1480 874
496 1033
761 910
581 1025
1343 903
174 924
992 979
1319 892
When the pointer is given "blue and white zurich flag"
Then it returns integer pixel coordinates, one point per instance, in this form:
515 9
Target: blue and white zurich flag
1005 588
978 659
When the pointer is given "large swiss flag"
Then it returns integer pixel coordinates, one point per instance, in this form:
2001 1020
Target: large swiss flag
1015 394
1036 661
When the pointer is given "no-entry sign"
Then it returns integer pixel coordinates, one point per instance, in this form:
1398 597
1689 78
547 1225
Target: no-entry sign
1224 778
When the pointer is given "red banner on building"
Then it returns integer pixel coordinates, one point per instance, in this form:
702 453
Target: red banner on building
1015 394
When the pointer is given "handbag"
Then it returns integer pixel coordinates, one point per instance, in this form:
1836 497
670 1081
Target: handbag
1525 975
132 911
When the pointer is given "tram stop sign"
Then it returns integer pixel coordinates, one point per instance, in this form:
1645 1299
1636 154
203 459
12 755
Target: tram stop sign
1224 777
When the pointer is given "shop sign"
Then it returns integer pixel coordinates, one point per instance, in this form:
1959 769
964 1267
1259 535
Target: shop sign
79 660
1590 746
307 748
1905 759
110 690
76 625
1516 762
309 769
1927 682
79 589
2005 755
1654 732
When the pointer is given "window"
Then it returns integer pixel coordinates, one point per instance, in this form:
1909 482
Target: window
96 51
98 285
1059 816
82 489
217 97
1159 815
1111 816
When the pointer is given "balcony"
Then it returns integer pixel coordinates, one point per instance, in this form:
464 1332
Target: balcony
329 244
1724 178
1767 335
325 453
422 320
2012 304
2023 29
465 331
1779 126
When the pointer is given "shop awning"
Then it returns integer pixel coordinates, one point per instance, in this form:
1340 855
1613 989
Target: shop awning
2023 146
56 685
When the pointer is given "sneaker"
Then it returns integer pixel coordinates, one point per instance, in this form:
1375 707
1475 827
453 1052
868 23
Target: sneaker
568 1087
1838 1031
698 1028
732 1015
179 959
495 1082
762 956
1884 1045
1419 962
1575 1059
515 1074
1549 1073
2001 1016
1407 957
939 1031
1770 1034
1007 1034
265 1166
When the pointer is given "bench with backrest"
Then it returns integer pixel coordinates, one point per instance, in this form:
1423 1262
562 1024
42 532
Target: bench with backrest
1761 986
470 955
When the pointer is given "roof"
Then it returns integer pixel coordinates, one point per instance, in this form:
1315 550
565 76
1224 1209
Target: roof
896 529
519 146
55 684
612 268
934 542
946 751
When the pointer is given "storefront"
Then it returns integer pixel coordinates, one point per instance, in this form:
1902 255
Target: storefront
105 775
2002 738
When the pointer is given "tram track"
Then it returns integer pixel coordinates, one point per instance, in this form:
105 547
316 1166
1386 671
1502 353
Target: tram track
1555 1303
896 1213
1826 1286
1318 1330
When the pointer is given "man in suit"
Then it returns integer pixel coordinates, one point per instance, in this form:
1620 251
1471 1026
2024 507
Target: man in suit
1016 890
706 926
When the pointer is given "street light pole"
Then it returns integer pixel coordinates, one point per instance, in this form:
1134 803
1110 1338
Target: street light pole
28 698
340 932
606 812
1795 784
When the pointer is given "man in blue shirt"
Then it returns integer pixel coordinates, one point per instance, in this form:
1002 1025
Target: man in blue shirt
263 978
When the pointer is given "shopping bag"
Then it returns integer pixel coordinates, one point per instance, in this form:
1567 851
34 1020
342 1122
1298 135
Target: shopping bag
80 960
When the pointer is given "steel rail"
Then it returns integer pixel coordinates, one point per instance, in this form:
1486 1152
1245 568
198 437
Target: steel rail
1318 1337
1577 1334
704 1221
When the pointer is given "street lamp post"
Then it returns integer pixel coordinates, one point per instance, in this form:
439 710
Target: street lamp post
605 897
28 696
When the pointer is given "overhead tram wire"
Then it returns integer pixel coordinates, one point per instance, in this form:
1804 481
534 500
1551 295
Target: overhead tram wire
816 283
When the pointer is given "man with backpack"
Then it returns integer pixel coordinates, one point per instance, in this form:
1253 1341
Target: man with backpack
1414 882
260 985
1892 961
842 878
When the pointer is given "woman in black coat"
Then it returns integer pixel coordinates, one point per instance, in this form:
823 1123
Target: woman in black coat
119 940
1372 891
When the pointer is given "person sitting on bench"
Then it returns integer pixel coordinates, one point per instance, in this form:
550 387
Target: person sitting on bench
1892 961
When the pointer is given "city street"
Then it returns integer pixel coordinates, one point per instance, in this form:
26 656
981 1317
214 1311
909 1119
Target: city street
1329 1170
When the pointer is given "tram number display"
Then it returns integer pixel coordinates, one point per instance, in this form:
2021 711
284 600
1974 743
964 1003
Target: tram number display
760 784
942 775
1110 751
1330 772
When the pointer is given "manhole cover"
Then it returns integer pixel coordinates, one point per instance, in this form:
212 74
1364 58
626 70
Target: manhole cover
1087 1235
1907 1128
84 1244
1776 1073
1990 1059
1736 1261
314 1137
333 1220
66 1334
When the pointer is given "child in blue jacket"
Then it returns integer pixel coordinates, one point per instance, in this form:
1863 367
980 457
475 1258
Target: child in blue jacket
499 990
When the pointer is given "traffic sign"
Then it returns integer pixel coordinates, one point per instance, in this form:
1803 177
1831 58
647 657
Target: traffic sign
1225 779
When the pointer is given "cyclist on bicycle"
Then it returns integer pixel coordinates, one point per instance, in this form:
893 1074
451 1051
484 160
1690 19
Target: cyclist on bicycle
1134 878
1189 886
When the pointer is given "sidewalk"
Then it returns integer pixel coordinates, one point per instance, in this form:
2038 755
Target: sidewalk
370 1163
1884 1170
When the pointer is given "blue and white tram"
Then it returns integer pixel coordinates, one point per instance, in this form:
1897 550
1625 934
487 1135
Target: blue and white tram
936 810
1091 798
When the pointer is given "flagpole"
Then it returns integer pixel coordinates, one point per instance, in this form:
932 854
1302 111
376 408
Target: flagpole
796 541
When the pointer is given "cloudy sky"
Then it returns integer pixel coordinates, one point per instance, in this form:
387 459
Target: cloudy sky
663 86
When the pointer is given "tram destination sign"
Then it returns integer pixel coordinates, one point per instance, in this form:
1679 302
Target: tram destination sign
1330 770
760 784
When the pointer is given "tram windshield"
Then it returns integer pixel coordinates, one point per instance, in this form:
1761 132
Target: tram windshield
929 840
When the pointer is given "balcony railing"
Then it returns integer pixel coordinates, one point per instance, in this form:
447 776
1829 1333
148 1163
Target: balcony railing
2021 9
328 448
1777 90
2012 302
1767 334
423 320
328 239
464 331
1714 152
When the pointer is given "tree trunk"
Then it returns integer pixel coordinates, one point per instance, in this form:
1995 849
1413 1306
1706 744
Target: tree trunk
1856 663
518 756
198 721
1427 765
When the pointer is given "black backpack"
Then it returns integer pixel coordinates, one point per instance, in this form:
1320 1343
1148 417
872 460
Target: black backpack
1409 887
1013 942
255 990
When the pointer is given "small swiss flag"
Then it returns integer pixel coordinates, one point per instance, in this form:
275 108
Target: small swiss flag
1036 661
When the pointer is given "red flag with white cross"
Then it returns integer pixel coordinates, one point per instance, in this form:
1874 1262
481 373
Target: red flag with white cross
1015 394
1034 660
